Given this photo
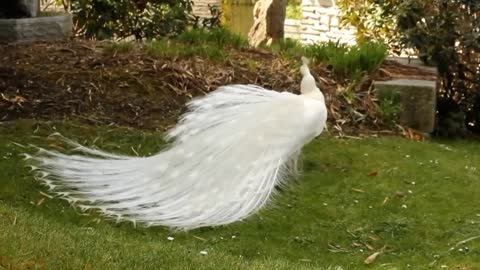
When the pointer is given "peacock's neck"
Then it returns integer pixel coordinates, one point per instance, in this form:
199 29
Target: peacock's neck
309 88
315 94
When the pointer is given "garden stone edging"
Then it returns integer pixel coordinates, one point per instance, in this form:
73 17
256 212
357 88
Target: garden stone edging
417 100
36 29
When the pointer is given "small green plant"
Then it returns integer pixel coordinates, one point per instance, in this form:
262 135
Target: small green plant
119 46
172 48
288 47
208 43
389 107
217 36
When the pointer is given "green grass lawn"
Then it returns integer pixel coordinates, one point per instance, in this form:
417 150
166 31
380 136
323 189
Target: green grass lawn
417 200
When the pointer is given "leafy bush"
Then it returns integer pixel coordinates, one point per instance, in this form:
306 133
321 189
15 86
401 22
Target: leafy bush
104 19
140 19
375 20
389 106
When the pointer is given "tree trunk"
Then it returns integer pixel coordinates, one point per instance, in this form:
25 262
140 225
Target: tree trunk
269 19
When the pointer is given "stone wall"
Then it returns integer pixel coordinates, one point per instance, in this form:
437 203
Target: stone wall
292 28
321 22
200 7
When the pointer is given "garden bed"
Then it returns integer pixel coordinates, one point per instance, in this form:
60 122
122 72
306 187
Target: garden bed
89 81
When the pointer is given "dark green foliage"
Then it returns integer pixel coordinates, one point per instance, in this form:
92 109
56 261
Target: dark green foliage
138 19
104 19
215 36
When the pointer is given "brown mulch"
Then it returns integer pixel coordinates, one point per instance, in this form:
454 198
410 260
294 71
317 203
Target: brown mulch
79 80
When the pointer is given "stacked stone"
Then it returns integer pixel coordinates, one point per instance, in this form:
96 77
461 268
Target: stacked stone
292 28
321 23
200 7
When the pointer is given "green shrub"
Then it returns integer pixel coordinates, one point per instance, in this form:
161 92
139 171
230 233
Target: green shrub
173 48
288 47
294 10
140 19
211 44
348 61
119 46
217 36
375 20
389 106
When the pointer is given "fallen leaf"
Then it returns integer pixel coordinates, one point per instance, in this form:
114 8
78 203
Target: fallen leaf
200 238
355 244
40 201
46 195
385 201
373 173
369 247
370 259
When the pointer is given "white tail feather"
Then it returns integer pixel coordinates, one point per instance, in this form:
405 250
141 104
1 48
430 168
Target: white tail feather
226 157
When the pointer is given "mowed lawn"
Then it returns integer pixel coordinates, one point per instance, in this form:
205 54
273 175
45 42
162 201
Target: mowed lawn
395 203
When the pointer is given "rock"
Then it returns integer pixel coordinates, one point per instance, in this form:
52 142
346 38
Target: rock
417 99
35 29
